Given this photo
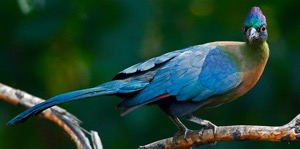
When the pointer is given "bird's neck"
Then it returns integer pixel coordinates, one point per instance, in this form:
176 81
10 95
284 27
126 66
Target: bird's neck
256 57
258 50
258 45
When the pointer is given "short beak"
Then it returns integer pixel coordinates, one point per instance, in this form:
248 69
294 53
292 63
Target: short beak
251 34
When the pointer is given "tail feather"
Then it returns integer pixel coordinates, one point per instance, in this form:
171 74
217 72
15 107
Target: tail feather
104 89
66 97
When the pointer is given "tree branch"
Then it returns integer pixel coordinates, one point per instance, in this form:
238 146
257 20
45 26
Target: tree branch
59 116
289 132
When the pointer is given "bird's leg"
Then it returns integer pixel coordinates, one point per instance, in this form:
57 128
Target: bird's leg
183 130
207 124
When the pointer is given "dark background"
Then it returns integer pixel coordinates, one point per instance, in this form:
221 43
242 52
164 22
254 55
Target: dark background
67 45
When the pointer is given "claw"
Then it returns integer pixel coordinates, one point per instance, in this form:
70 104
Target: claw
206 125
209 125
184 131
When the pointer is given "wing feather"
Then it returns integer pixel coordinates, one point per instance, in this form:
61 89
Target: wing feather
194 74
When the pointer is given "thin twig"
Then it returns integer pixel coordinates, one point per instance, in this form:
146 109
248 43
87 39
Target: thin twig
61 117
286 133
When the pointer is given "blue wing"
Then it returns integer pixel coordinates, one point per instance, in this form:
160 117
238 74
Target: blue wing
195 74
147 65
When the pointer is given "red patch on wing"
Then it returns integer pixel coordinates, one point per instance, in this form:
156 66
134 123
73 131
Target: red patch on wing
162 96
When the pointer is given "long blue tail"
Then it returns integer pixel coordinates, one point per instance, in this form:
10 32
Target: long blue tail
116 86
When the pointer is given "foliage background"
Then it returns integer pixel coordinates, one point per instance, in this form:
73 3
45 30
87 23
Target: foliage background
68 45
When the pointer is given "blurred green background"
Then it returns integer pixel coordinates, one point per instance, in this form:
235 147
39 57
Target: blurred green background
60 46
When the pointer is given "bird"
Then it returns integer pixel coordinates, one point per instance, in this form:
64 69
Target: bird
183 81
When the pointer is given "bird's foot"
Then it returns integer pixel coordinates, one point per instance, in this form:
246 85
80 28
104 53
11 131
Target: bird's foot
206 125
182 132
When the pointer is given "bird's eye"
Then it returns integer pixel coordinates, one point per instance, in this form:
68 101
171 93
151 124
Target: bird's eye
262 28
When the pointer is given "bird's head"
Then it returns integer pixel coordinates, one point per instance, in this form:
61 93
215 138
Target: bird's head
255 26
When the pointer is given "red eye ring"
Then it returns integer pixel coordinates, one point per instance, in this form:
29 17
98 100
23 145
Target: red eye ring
262 28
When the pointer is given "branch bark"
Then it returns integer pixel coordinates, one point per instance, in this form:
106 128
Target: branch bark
68 122
289 132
